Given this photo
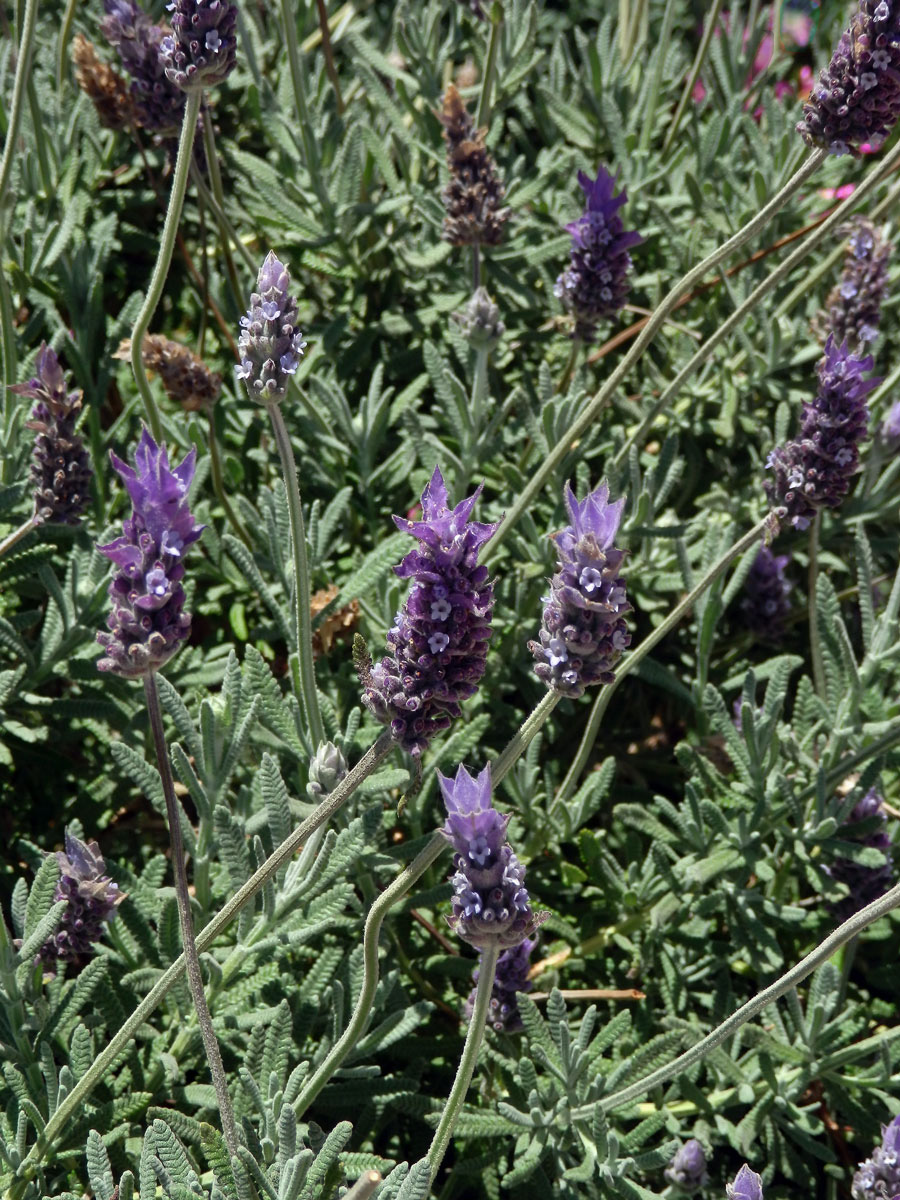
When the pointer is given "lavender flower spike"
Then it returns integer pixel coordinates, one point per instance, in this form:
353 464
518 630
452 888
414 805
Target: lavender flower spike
93 899
878 1178
594 286
201 49
814 470
61 470
147 623
853 308
270 343
490 903
687 1170
438 646
857 96
510 978
583 632
765 607
747 1185
159 105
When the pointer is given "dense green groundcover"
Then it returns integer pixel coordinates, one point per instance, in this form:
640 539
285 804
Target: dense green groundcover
688 860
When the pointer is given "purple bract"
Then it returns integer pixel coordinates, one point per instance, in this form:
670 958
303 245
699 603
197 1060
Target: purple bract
747 1185
765 606
438 646
270 343
687 1170
147 623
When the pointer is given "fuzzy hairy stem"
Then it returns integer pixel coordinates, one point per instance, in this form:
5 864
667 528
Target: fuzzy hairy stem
195 979
667 305
309 696
17 534
118 1044
328 51
20 87
815 639
567 787
468 1058
519 742
218 481
164 259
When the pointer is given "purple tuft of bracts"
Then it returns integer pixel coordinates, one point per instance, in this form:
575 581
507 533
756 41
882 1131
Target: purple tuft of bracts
747 1185
583 632
765 607
890 428
491 906
857 97
93 899
510 978
438 646
813 471
147 621
878 1178
687 1170
61 469
270 344
200 52
159 104
853 308
595 286
864 884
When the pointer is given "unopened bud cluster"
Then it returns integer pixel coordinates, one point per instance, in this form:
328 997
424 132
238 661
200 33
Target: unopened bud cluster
92 902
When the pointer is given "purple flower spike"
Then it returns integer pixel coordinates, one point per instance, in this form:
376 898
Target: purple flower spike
747 1185
583 632
853 308
438 646
93 899
491 906
594 286
510 978
814 470
687 1170
147 622
159 104
765 607
878 1178
270 343
857 96
201 49
865 884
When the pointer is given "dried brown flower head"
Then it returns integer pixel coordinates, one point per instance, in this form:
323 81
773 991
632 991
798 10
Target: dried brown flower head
474 195
106 89
337 625
186 378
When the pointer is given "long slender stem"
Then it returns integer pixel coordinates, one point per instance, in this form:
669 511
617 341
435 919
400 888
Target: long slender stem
310 696
17 534
666 306
310 149
483 116
468 1058
815 640
519 742
215 461
164 259
119 1042
754 1007
226 231
23 74
329 55
571 362
637 656
709 29
195 979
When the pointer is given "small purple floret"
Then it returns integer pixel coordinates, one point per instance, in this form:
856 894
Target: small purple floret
438 646
201 49
878 1178
747 1185
491 906
270 343
147 623
93 899
583 632
594 286
813 471
687 1170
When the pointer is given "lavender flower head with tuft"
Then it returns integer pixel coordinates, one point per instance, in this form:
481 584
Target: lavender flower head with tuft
583 632
747 1185
765 607
270 344
201 49
687 1170
857 96
61 469
853 308
147 622
878 1178
93 899
813 471
864 883
510 978
594 286
491 906
159 104
438 646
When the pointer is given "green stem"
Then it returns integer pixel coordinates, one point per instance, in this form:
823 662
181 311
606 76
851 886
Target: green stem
227 232
815 640
218 480
637 656
571 363
310 149
476 266
309 693
519 743
817 235
662 52
664 309
709 28
17 534
10 358
844 933
483 116
23 75
195 979
469 1057
164 258
62 43
104 1061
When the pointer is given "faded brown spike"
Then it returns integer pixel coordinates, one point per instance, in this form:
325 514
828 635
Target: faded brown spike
107 90
362 659
473 196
